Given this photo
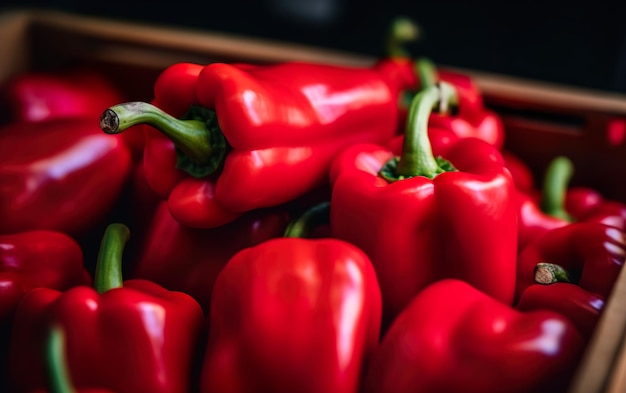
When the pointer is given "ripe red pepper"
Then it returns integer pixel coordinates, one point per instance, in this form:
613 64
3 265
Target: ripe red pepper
188 260
581 307
260 135
455 338
37 258
521 172
41 96
62 175
292 314
419 219
589 255
558 206
132 336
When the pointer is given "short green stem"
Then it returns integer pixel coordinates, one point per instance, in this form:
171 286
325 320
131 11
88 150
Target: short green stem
557 178
304 225
417 157
198 139
109 265
402 30
56 362
550 273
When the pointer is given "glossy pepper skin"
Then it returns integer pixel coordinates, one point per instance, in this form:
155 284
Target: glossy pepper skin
587 256
188 260
292 315
556 205
581 307
62 175
274 130
77 93
102 325
522 174
41 96
37 258
421 228
455 338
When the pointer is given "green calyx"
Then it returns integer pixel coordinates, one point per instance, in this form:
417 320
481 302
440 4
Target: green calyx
199 141
417 158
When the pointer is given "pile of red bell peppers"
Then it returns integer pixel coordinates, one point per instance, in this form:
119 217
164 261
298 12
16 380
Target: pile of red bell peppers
290 227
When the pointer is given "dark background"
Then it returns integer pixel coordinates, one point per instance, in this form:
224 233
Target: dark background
575 43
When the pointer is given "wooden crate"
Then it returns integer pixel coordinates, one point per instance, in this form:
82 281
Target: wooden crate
541 119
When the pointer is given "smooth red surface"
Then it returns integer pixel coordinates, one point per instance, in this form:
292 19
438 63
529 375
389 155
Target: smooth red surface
37 258
417 230
292 315
138 338
285 123
43 96
583 204
580 306
592 251
454 338
189 260
62 175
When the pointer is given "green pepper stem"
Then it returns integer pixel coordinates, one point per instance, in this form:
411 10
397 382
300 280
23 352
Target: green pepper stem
417 156
555 184
198 138
550 273
426 71
109 265
56 362
312 218
401 31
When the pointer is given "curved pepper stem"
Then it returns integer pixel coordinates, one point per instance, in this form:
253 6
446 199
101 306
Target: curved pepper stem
426 70
199 141
401 31
555 184
550 273
417 157
58 374
109 265
312 218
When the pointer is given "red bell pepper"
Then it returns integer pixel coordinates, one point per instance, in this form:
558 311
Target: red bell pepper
521 172
581 307
41 96
260 136
558 205
188 260
589 255
455 338
131 336
419 219
472 118
62 175
292 314
37 258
